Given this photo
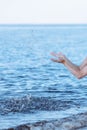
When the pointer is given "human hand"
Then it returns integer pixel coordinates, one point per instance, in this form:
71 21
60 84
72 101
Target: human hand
60 58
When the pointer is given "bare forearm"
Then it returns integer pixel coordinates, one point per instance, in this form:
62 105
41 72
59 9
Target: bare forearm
74 69
78 71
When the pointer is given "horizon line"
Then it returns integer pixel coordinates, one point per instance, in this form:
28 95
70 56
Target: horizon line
43 24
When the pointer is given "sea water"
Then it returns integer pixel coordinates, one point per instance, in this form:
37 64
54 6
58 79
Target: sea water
32 87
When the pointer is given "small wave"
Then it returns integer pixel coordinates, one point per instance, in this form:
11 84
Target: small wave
75 122
31 104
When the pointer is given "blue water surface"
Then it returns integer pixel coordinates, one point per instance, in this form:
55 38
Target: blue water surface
32 87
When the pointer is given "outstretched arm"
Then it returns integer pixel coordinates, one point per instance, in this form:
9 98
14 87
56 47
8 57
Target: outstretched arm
78 71
84 63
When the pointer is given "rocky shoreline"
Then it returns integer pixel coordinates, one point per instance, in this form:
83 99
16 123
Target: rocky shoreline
75 122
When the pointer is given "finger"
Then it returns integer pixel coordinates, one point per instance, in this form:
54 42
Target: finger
59 54
54 54
54 60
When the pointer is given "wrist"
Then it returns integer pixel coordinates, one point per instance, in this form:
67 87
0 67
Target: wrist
64 59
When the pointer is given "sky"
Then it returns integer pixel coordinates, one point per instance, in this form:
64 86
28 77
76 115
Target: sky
43 11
